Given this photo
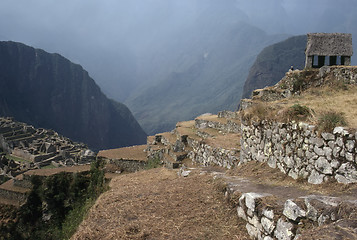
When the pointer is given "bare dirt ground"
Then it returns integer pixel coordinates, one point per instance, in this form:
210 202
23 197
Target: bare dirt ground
158 204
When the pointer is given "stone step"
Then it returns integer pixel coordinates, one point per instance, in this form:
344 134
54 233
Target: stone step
283 212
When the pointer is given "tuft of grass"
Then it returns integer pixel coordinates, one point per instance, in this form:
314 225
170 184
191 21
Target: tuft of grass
258 112
298 112
331 119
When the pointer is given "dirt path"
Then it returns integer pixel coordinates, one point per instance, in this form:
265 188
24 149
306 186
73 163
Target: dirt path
158 204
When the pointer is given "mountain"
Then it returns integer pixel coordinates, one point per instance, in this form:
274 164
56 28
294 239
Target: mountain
48 91
200 69
273 62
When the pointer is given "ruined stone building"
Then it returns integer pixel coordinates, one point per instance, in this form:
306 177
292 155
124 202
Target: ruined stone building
328 49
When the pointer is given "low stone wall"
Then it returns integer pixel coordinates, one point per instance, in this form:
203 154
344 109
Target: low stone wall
207 155
300 152
128 165
17 197
268 220
230 126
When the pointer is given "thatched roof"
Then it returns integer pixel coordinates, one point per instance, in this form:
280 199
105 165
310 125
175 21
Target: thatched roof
329 44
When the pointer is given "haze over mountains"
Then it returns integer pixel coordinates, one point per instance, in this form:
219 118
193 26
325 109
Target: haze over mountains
169 60
48 91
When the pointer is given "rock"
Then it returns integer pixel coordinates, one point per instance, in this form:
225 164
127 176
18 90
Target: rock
269 213
319 151
268 225
323 166
328 136
292 211
340 130
349 156
346 174
318 142
241 213
252 231
250 199
315 177
284 230
350 145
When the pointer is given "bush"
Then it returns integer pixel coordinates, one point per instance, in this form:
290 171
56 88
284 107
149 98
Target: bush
329 120
153 163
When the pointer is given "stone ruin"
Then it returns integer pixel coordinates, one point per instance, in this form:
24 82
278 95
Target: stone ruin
336 46
24 147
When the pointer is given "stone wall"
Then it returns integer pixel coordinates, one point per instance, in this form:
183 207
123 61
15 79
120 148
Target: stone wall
128 165
299 151
207 155
18 197
265 220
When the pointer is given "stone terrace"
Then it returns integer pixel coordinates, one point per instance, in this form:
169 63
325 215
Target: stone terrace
25 147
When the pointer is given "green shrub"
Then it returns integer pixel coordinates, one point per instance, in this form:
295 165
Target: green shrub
57 204
298 112
329 120
153 163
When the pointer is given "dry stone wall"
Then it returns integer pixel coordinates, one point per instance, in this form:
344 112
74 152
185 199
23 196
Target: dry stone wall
267 221
207 155
299 151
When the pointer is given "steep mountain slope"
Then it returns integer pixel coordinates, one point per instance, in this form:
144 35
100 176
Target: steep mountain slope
273 62
202 70
47 90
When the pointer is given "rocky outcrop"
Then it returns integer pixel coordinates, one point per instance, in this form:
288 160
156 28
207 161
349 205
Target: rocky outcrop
273 62
48 91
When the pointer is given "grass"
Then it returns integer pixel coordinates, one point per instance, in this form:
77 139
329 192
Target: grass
320 100
17 159
329 120
158 204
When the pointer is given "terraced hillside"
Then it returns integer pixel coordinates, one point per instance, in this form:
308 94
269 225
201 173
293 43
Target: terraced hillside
269 200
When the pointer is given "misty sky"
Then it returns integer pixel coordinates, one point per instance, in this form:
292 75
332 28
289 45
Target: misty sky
108 37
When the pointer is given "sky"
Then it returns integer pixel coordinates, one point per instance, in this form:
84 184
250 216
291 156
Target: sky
110 37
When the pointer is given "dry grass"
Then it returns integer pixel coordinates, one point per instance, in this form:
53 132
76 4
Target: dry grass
128 153
319 99
157 204
329 99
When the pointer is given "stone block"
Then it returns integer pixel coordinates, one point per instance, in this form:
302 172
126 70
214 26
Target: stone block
319 151
284 230
268 225
251 199
292 211
315 177
350 145
346 174
241 213
269 213
328 136
323 166
318 142
252 231
340 130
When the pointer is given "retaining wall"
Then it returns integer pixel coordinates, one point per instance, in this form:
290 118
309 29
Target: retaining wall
299 151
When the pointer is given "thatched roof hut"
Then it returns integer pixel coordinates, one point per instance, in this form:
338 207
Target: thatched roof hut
336 46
